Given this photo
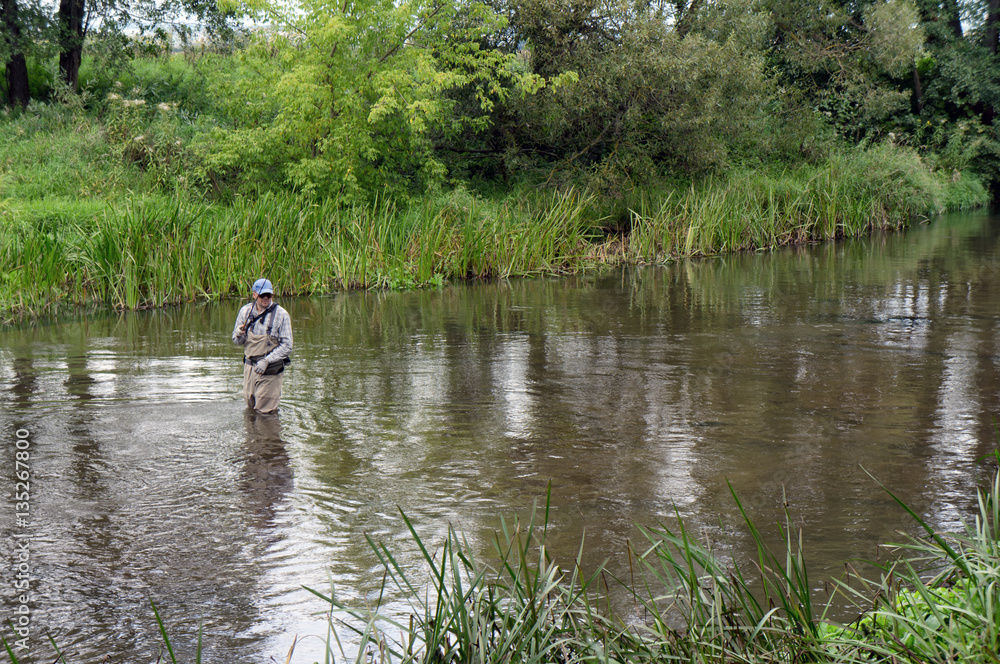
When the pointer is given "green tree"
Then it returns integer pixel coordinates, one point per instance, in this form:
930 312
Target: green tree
661 87
74 19
361 89
847 57
956 87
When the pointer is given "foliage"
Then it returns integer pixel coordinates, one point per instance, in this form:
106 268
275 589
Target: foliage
70 237
163 79
149 137
143 253
54 151
960 83
937 599
361 88
35 23
845 57
853 193
649 99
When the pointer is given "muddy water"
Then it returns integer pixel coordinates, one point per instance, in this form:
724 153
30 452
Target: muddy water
799 375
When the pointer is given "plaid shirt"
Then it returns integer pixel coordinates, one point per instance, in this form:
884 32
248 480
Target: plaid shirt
281 329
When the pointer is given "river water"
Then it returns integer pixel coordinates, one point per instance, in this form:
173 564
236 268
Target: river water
802 375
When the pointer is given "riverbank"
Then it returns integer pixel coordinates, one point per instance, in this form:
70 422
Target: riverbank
79 230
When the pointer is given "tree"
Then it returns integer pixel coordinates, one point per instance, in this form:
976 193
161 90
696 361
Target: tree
956 85
16 68
985 19
72 30
662 87
74 18
360 92
847 57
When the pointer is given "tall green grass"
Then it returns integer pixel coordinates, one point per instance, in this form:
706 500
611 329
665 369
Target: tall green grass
157 250
99 212
855 193
939 601
936 603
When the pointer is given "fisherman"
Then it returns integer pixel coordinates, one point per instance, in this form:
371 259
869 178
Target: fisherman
265 331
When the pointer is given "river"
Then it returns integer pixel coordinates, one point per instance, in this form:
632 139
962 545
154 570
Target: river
806 375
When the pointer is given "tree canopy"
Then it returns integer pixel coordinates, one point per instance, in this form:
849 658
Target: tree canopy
359 97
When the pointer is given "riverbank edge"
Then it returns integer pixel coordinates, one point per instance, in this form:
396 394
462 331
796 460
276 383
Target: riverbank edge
153 250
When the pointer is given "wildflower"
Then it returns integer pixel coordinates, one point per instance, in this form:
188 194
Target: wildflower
113 97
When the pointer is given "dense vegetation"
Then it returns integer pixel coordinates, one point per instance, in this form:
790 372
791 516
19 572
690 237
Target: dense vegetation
376 143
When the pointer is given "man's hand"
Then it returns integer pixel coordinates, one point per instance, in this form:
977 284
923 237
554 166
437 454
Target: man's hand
261 367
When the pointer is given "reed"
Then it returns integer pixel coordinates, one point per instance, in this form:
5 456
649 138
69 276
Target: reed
530 610
160 250
524 607
939 598
725 613
853 194
155 249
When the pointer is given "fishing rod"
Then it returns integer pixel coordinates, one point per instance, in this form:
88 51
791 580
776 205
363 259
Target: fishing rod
243 330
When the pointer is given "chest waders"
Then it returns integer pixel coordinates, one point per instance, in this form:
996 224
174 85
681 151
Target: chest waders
261 392
258 345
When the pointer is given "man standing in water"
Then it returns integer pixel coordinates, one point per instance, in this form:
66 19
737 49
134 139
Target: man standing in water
265 331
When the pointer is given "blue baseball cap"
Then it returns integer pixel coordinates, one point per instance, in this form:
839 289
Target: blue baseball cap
262 286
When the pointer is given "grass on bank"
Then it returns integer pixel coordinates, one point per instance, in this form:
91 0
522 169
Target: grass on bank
88 219
153 250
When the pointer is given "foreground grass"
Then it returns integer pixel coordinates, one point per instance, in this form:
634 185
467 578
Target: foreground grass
73 233
936 601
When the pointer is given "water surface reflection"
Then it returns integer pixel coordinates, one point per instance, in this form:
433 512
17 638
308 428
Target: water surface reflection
634 393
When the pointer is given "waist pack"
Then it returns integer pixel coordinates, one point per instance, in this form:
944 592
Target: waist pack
272 368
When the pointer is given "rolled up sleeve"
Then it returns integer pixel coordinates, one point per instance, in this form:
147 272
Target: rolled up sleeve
240 338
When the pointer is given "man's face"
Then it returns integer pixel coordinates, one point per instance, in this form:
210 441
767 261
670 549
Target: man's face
263 299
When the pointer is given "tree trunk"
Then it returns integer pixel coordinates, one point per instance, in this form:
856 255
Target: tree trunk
16 71
917 100
954 17
70 41
992 33
992 25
